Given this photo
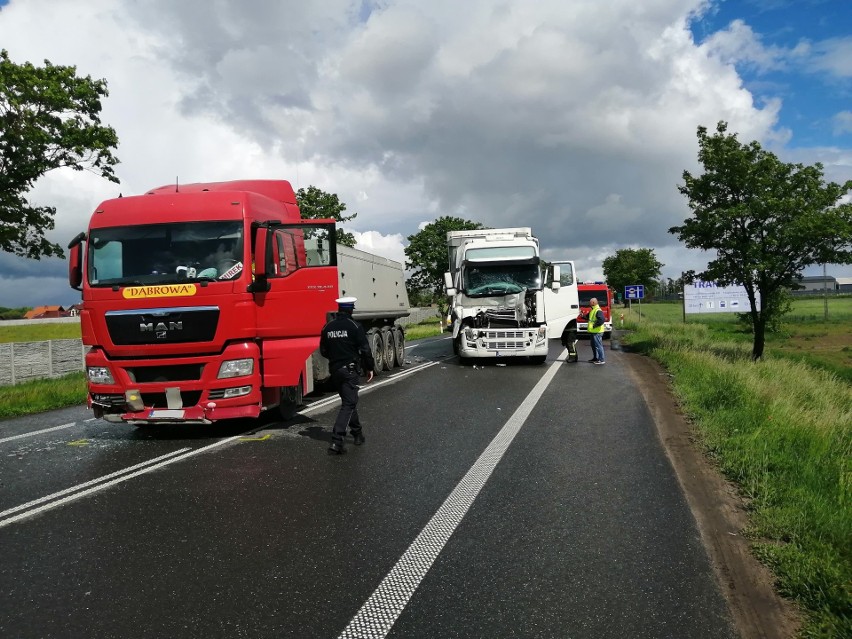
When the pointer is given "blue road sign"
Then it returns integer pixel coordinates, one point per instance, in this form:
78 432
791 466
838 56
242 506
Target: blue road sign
634 292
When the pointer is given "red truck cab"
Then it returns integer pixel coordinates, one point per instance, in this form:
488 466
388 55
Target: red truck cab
202 302
603 293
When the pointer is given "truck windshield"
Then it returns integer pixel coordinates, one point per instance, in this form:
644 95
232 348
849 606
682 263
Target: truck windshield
482 279
585 296
166 253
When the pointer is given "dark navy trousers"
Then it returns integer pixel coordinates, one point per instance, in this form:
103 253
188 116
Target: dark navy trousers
346 381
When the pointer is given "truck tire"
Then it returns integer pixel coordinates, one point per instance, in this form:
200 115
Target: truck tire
387 348
607 335
291 400
398 346
374 337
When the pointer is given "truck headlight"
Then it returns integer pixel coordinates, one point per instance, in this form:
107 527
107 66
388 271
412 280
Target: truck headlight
469 335
542 333
99 375
236 368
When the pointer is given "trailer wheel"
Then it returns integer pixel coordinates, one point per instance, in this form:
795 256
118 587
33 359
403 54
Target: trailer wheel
387 348
375 339
291 400
398 346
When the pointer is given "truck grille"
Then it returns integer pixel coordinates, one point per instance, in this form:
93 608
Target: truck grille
177 373
163 325
505 335
506 340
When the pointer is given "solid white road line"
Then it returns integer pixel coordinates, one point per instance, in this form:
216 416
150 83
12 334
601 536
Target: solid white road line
37 432
58 499
380 612
129 469
367 387
108 484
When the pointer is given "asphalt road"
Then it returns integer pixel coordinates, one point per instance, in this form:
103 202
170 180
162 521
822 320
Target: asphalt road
488 501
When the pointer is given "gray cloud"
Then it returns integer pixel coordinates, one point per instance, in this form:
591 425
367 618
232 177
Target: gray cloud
576 119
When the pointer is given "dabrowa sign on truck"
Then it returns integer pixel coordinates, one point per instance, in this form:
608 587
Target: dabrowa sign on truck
709 297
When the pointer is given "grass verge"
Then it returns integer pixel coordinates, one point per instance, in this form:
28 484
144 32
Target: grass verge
780 429
42 394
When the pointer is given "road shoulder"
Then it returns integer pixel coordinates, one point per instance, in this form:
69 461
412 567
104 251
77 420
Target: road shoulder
758 611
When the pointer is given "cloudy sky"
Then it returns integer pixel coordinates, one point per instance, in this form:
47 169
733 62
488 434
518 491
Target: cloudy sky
576 118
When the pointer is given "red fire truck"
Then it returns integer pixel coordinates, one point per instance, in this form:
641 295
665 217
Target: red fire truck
205 301
603 293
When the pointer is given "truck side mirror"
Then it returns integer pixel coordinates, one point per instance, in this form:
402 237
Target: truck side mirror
75 262
557 275
261 281
448 283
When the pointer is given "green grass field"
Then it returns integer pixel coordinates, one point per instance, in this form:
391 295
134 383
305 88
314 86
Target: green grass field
780 430
805 335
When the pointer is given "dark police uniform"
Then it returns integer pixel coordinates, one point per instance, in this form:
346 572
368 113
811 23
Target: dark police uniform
344 344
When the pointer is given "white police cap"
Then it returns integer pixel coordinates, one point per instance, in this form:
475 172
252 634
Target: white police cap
346 301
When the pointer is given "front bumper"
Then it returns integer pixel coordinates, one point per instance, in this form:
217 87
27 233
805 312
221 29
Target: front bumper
503 342
176 389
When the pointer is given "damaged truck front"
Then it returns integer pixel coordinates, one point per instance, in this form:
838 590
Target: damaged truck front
502 298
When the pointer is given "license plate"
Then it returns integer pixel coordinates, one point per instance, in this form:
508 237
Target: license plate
166 414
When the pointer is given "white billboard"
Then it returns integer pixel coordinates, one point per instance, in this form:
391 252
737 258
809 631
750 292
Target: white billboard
709 297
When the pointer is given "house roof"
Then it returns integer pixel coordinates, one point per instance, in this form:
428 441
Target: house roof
41 310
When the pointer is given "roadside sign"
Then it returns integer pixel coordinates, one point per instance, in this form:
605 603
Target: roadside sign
634 292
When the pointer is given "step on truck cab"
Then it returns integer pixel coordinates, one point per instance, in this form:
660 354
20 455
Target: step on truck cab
204 302
504 301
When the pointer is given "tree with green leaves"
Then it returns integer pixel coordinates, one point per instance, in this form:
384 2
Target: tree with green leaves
765 219
315 204
427 254
632 266
49 118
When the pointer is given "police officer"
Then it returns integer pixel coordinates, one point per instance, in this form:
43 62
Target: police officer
344 344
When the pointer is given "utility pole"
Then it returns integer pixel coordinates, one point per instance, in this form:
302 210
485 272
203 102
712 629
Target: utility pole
825 292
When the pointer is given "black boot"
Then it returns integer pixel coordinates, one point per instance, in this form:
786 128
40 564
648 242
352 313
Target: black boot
358 436
336 448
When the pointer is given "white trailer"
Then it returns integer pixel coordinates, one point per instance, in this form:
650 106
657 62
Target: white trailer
505 302
379 285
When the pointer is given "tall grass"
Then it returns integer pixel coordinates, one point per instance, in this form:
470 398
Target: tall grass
41 395
782 431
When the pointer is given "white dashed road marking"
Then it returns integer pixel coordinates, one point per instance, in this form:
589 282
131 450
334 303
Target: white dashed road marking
378 614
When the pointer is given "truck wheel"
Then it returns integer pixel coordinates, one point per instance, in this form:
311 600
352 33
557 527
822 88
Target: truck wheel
398 346
375 339
607 335
387 348
291 400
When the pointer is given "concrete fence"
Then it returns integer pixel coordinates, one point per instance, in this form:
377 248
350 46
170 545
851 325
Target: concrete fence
25 361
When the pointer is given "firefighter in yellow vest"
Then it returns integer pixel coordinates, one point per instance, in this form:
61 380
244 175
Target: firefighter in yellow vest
596 329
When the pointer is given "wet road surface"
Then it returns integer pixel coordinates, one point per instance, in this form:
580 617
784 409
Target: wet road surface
488 501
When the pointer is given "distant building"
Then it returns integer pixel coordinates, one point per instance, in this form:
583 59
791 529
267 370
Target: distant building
817 284
42 312
844 284
74 310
